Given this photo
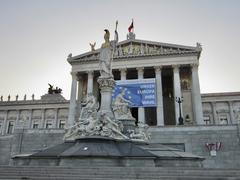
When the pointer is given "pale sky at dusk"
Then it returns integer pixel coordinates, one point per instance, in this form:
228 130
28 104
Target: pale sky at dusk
36 37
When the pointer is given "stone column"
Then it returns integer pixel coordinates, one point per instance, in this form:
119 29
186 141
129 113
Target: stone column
30 119
55 124
17 125
106 86
214 111
80 88
123 74
177 90
141 111
196 96
43 119
160 116
72 105
90 82
4 128
232 119
79 96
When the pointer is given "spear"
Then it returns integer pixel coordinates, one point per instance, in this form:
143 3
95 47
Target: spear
114 46
116 25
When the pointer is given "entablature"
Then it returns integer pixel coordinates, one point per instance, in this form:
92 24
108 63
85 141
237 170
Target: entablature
138 62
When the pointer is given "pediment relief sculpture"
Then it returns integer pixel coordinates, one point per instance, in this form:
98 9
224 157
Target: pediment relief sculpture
136 48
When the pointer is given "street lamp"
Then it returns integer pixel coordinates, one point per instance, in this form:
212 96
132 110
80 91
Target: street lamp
179 100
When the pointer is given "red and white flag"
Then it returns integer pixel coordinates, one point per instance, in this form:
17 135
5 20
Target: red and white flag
130 27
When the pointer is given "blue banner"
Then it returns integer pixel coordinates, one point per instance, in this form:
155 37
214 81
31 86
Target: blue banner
138 93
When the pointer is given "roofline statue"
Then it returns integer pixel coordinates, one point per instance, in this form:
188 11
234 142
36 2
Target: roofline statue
92 46
51 90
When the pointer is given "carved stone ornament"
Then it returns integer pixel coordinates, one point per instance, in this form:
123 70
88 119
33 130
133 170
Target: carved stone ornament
121 108
140 133
106 82
237 114
92 123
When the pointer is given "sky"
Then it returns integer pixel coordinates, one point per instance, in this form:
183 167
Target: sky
36 37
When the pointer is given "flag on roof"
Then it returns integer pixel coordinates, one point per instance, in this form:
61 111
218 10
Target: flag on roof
130 27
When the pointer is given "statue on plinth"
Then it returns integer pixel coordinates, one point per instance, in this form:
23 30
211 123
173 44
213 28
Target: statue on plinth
106 54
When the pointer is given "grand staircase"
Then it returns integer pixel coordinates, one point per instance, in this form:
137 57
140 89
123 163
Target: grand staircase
115 173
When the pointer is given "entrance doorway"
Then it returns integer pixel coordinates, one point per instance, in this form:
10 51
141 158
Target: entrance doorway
168 97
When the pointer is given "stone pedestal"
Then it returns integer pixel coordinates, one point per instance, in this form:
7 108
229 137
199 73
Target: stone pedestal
106 86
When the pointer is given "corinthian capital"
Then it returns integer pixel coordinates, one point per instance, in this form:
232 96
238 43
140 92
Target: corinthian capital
157 69
176 67
194 65
74 75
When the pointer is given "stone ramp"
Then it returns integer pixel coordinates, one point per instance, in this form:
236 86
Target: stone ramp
115 173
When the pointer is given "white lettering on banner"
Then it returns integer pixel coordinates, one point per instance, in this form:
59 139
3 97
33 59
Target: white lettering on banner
140 92
147 102
146 91
147 86
149 97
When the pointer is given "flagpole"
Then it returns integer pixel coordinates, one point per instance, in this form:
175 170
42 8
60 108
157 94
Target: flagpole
114 46
133 25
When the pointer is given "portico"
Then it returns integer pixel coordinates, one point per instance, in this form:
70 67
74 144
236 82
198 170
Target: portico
174 68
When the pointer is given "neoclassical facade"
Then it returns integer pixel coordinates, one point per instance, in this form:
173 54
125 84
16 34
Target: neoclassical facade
50 112
175 68
221 108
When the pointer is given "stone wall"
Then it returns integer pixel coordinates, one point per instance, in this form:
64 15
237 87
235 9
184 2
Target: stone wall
5 149
194 139
28 141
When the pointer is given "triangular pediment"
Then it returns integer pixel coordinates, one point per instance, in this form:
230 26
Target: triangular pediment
136 48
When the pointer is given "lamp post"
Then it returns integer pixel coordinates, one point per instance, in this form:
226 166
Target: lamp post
179 100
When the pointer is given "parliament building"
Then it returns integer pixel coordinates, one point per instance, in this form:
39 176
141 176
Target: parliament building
203 124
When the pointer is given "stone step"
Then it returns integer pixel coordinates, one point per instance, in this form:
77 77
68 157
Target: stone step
99 173
124 173
96 175
114 178
113 168
121 171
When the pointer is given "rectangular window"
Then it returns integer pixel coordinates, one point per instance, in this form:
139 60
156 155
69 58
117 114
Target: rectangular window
10 127
49 124
223 119
62 124
1 127
35 126
206 119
